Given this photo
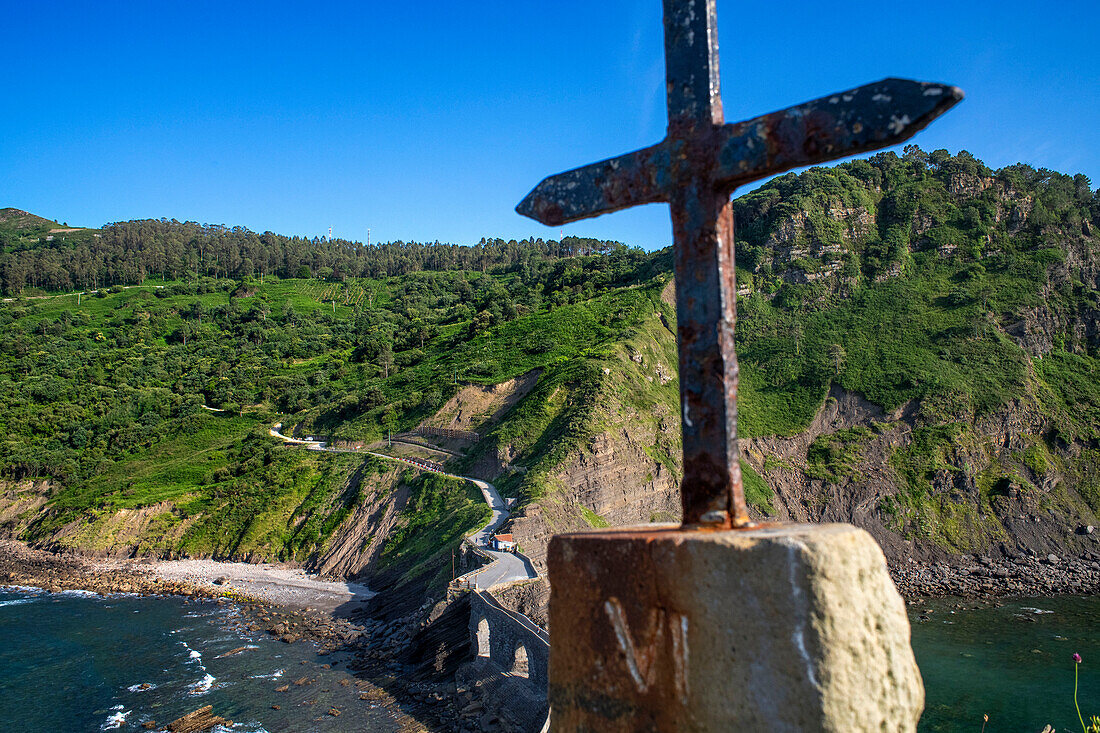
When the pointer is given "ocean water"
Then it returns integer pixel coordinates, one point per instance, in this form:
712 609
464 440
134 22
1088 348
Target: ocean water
79 662
1012 661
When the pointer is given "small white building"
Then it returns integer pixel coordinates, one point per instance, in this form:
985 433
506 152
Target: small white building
504 543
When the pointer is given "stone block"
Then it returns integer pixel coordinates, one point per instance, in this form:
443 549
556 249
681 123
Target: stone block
779 628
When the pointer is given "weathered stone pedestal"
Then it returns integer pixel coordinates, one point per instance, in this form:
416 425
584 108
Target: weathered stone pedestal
784 628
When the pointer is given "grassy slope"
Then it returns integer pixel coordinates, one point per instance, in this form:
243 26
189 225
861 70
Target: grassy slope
22 230
227 487
441 510
218 478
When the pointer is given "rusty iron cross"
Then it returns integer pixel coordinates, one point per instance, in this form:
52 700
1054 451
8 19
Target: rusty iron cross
695 169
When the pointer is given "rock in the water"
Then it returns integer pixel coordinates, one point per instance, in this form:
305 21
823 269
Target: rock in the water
198 721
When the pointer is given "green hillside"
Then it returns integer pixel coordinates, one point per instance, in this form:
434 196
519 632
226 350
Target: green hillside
924 281
21 230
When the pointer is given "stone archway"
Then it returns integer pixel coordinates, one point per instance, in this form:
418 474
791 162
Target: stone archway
520 667
483 648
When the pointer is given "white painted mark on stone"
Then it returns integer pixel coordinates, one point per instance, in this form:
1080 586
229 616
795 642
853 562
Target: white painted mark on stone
880 97
680 656
801 610
641 657
933 92
687 420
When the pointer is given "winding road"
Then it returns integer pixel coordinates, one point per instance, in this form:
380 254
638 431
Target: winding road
506 567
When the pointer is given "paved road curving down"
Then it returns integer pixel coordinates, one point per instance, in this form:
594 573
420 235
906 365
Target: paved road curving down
506 567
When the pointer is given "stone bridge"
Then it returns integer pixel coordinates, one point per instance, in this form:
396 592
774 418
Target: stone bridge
513 656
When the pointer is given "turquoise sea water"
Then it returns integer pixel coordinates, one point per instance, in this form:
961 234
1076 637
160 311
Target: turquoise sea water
77 662
1012 661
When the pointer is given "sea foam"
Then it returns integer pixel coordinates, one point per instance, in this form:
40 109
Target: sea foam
117 718
203 686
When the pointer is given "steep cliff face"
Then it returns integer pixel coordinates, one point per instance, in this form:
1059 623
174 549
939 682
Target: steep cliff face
360 499
358 542
20 502
613 482
992 487
623 463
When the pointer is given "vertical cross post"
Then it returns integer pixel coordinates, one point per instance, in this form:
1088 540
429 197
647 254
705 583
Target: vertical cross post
702 226
788 627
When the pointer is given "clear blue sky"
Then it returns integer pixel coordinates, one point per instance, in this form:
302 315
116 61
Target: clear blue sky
431 120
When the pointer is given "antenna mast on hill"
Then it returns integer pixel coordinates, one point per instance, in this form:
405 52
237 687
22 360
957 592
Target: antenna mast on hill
330 232
368 236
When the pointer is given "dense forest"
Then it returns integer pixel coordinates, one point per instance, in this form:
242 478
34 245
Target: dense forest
924 279
42 254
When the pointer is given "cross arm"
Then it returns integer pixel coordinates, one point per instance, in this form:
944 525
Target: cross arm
866 118
600 188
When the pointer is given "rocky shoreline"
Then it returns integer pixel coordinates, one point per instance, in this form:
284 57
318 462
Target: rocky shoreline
983 577
23 566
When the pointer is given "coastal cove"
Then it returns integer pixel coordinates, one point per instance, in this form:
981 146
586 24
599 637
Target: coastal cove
79 661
